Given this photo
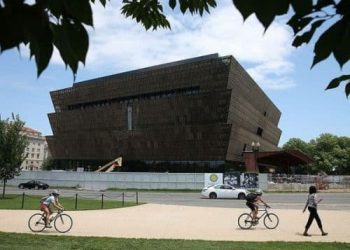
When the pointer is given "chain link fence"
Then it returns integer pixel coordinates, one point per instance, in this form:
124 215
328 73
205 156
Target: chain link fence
284 182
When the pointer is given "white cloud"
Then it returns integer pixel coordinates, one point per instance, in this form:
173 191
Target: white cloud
118 44
273 74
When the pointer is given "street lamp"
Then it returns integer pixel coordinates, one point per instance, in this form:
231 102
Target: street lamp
255 149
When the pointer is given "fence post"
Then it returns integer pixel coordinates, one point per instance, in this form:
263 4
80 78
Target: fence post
137 198
123 199
22 200
76 201
102 202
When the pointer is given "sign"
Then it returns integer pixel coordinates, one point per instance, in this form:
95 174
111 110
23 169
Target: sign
212 179
233 179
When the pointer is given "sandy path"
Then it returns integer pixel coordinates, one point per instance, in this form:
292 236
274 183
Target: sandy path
184 222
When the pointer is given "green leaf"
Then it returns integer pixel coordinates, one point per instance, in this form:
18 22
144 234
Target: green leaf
148 12
323 3
265 10
306 37
347 90
56 7
72 41
172 4
336 81
183 6
12 29
341 50
103 2
245 7
302 7
343 7
298 23
326 43
79 10
36 29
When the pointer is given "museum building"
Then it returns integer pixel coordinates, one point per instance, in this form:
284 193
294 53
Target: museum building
206 108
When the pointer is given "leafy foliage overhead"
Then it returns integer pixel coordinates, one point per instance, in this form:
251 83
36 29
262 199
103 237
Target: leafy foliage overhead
328 16
46 24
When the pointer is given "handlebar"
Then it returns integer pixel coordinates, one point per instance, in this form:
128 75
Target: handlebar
265 208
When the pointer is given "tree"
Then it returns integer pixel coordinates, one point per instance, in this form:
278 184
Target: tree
12 145
46 24
48 163
331 153
299 144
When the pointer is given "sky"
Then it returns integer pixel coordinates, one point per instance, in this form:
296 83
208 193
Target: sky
118 44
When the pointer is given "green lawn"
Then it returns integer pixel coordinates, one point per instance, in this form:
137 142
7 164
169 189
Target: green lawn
13 241
32 202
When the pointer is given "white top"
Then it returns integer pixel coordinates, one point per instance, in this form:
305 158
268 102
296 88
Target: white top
312 200
49 200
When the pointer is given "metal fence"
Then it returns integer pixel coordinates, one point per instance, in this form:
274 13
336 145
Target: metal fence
302 182
77 201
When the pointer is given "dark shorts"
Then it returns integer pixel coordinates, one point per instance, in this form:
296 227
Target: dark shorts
252 206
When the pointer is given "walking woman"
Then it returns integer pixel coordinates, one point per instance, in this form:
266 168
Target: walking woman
311 205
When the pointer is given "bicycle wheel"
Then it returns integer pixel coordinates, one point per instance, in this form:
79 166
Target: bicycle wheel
271 221
245 221
63 223
36 223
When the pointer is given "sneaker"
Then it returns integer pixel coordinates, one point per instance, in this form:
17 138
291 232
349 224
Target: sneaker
48 226
306 234
324 234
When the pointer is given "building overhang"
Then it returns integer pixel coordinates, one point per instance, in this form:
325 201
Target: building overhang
282 158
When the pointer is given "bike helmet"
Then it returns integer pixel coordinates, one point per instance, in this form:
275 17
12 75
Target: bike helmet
258 191
55 192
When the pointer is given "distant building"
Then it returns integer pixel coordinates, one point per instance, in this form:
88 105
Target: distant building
201 109
36 151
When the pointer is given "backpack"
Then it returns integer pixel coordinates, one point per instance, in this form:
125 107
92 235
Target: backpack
44 199
251 197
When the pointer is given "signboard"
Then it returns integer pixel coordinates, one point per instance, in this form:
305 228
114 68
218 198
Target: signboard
212 179
250 180
233 179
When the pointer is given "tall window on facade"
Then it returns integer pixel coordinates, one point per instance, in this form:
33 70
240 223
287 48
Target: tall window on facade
130 116
259 131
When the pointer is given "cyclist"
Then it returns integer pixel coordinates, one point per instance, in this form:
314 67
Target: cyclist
52 199
253 201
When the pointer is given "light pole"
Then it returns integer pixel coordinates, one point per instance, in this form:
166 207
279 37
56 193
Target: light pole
255 149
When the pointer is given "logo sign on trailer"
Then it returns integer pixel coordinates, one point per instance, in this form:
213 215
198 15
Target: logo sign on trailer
212 178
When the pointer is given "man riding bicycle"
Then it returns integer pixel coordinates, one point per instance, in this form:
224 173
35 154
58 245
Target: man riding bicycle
253 202
52 199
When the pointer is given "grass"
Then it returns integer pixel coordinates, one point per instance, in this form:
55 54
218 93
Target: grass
13 241
32 202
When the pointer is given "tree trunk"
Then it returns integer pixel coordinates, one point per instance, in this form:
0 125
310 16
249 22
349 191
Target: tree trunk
3 189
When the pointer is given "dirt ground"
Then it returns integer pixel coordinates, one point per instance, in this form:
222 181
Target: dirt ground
185 222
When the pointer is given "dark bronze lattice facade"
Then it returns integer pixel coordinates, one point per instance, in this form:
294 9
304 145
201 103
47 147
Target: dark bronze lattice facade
202 109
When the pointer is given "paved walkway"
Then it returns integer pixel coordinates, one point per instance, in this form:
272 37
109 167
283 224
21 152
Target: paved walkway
183 222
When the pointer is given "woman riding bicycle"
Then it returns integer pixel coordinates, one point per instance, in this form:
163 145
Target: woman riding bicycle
52 199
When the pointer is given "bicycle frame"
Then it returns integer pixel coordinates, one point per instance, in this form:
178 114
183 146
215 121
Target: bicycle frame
271 220
62 222
263 214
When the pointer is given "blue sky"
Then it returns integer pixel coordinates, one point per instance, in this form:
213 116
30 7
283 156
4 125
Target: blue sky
118 44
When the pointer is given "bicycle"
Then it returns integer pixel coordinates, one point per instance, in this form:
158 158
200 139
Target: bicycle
271 220
62 222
